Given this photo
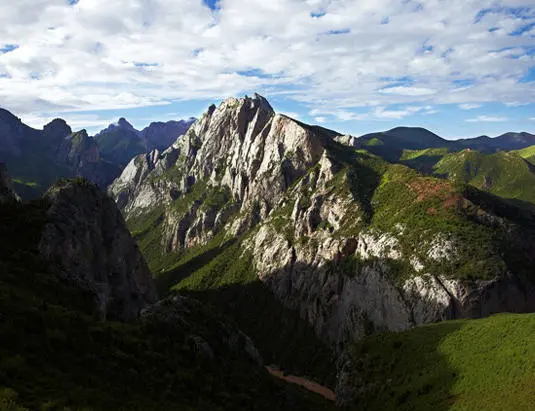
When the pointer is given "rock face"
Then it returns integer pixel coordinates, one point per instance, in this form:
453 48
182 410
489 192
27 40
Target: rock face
354 244
241 145
86 236
7 194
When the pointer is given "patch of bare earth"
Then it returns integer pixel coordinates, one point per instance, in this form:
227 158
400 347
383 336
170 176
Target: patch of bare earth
303 382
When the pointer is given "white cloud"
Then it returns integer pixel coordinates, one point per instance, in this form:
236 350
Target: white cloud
130 53
320 119
488 119
515 104
408 91
469 106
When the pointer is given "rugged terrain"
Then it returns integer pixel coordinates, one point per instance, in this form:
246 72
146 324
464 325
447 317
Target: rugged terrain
254 206
37 158
81 327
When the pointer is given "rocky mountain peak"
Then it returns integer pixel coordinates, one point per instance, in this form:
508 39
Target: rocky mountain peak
57 128
124 123
242 147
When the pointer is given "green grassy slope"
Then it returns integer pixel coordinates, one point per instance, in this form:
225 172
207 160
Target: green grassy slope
486 364
527 153
504 174
54 354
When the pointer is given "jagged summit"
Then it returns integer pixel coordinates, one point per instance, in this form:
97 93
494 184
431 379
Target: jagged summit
124 123
242 144
57 128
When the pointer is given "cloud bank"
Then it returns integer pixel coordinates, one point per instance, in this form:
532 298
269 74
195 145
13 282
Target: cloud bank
334 56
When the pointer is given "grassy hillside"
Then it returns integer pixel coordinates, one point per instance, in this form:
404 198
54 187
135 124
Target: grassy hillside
527 153
504 174
55 355
486 364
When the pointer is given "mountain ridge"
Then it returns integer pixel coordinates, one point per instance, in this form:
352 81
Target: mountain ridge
327 230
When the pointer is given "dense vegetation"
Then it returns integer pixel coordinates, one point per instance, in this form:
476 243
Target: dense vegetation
55 355
505 174
486 364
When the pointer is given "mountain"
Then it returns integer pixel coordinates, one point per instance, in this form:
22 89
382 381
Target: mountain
81 327
391 144
265 217
454 365
160 135
120 142
505 142
399 142
37 158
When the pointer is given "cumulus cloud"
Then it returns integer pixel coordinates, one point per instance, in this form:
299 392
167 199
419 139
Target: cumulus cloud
486 119
341 56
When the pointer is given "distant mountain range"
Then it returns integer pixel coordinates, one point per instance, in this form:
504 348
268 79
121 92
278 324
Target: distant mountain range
37 158
502 165
391 144
120 141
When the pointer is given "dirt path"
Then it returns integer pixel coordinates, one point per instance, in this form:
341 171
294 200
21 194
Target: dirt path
303 382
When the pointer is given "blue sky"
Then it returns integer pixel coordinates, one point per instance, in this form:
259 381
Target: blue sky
460 68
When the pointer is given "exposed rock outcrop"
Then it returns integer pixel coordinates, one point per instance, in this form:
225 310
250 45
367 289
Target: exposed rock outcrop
86 236
242 145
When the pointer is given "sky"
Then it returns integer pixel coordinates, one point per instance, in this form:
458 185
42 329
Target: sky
460 68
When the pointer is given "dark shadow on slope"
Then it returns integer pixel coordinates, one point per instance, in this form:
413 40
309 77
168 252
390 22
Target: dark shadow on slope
401 371
516 240
423 164
280 335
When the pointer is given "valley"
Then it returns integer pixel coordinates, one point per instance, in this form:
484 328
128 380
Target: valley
364 269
